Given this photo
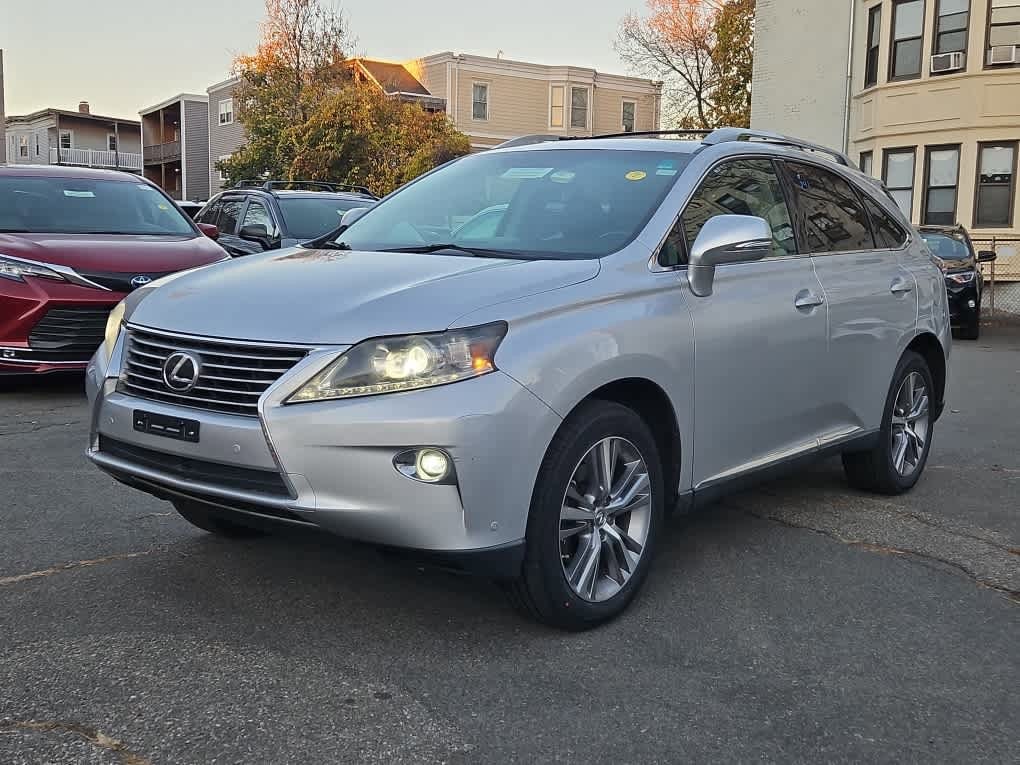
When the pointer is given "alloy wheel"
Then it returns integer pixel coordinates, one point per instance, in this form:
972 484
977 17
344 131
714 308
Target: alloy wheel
604 519
910 424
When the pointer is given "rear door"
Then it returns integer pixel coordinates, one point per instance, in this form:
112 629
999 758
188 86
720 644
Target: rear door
760 336
871 298
231 212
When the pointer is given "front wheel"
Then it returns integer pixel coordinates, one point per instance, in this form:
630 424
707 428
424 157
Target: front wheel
895 464
595 518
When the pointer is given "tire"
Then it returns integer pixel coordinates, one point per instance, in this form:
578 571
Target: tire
542 591
972 330
198 515
876 470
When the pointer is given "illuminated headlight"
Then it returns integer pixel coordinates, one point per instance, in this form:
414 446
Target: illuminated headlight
965 278
393 364
113 325
17 269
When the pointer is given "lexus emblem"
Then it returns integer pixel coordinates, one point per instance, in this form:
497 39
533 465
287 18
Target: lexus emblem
140 281
180 371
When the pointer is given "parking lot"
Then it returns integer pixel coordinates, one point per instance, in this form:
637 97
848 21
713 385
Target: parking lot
797 622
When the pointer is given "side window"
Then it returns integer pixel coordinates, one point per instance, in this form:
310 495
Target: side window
230 211
740 187
831 214
209 214
258 215
889 235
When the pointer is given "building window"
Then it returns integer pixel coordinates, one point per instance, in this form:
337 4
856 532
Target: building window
951 20
227 111
942 176
898 175
38 151
23 146
867 163
556 106
908 33
629 112
111 142
996 185
874 40
1004 32
66 139
579 108
219 172
480 101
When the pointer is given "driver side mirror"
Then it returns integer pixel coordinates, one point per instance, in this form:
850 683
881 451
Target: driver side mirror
350 216
256 232
726 239
986 256
209 230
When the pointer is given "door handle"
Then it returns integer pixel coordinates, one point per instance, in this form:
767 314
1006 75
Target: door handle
900 286
807 299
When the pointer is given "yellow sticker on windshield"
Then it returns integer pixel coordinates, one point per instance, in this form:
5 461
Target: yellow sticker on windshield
163 206
636 175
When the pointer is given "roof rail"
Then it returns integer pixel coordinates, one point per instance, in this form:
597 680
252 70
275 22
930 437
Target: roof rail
310 185
727 134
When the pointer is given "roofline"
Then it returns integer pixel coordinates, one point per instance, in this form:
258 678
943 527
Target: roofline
173 100
560 71
69 113
220 85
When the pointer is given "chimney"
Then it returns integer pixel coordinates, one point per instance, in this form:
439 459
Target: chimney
83 107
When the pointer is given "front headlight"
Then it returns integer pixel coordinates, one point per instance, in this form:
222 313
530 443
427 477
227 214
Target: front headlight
963 278
392 364
17 269
113 325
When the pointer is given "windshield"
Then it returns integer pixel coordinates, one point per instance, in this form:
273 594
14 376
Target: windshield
85 206
311 217
946 247
555 204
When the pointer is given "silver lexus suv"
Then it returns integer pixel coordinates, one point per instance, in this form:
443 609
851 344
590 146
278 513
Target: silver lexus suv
518 363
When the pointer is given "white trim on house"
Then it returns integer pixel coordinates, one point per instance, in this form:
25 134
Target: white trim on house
623 103
180 97
225 84
184 152
219 173
108 146
60 142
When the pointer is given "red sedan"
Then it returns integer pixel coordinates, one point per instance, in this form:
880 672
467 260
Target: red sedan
73 243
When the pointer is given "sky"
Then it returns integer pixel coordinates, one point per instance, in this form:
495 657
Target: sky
125 55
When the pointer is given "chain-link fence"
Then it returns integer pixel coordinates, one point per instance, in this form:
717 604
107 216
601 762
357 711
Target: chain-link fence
1001 299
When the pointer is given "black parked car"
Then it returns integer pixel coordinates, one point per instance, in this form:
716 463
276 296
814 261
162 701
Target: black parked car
954 251
266 215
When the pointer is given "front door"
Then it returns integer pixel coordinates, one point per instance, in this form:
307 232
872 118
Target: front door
760 338
871 298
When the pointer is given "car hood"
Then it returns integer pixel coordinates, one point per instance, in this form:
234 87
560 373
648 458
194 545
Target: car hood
113 253
331 297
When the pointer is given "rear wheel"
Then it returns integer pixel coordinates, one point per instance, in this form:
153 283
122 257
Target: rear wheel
199 515
595 518
897 461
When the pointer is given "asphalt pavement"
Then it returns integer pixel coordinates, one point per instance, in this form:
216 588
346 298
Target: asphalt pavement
798 622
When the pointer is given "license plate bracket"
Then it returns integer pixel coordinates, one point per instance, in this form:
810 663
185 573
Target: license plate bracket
176 428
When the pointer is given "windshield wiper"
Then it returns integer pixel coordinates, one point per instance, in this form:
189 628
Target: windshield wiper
477 252
327 246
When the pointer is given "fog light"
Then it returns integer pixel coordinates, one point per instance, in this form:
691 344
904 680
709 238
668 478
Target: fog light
971 304
429 464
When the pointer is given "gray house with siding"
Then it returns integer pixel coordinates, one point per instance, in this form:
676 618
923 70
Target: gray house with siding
226 134
64 137
175 146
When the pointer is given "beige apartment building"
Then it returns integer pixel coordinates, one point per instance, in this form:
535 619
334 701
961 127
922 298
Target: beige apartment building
495 99
925 94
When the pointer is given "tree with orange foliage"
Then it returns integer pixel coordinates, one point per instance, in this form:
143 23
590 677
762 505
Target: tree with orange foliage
702 50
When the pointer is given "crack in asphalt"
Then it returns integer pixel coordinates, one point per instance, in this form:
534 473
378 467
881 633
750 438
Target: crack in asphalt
985 557
64 567
39 426
93 736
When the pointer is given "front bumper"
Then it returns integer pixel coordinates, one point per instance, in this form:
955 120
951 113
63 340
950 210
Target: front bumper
336 461
50 326
964 302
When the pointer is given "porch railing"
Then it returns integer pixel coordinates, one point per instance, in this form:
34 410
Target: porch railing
96 158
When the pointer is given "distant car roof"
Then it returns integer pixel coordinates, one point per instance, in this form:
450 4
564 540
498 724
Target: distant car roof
932 229
64 171
627 144
305 194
